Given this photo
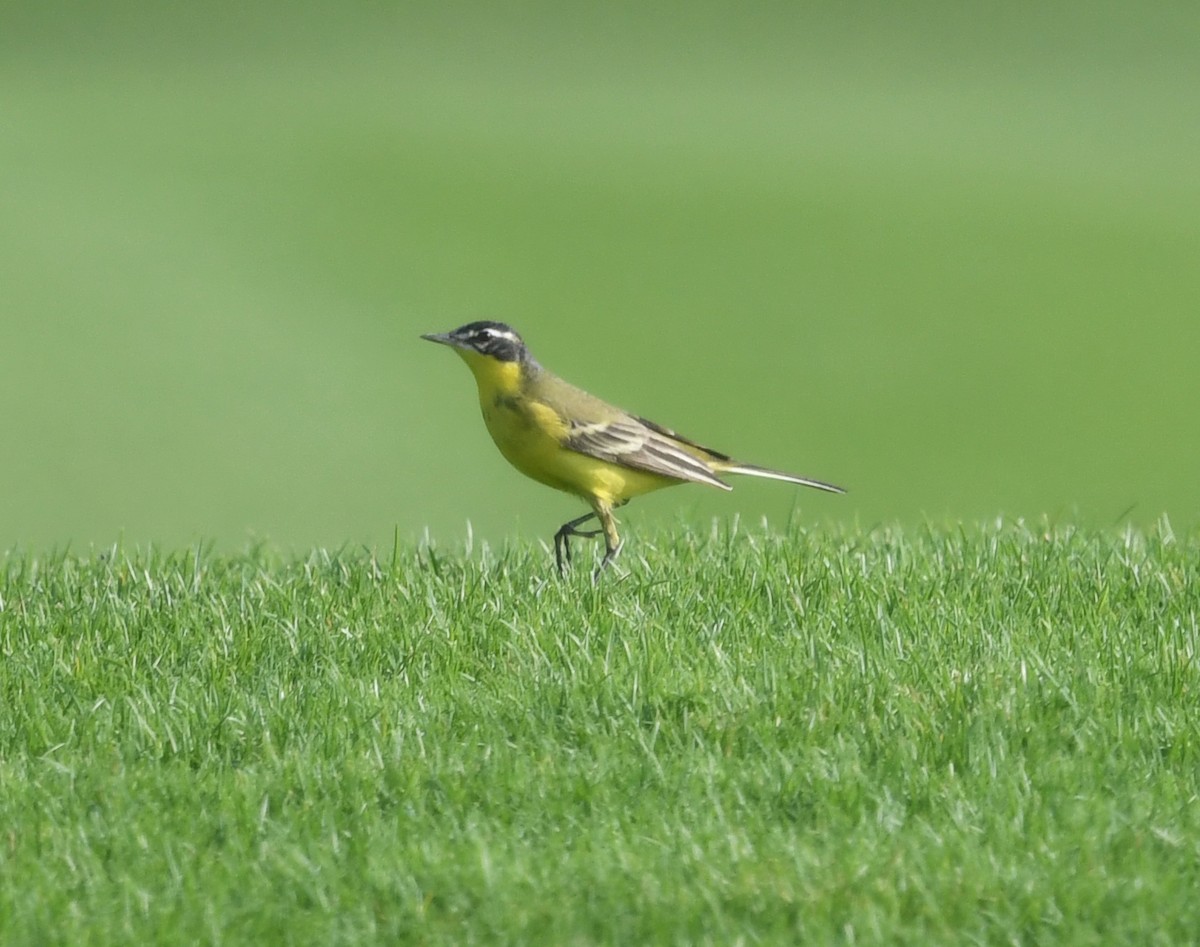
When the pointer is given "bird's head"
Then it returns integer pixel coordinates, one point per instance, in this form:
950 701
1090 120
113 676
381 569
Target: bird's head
493 340
495 353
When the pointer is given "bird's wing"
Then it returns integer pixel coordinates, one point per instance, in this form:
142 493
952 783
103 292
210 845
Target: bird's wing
632 442
667 432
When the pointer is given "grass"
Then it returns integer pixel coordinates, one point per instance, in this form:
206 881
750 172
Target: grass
929 735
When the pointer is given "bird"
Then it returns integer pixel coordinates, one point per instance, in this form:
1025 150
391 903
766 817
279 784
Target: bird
561 436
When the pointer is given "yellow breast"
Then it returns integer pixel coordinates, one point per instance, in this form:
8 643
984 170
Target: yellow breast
530 435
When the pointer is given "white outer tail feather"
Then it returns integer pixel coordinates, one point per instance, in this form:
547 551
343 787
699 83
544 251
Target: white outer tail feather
750 470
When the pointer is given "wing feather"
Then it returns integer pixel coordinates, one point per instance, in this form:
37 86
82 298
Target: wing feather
667 432
631 442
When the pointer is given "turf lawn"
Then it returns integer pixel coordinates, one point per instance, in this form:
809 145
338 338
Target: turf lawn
942 254
928 735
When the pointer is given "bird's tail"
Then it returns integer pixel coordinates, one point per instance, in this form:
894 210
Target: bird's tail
751 470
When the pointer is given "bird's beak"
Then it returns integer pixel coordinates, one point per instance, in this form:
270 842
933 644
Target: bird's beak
442 337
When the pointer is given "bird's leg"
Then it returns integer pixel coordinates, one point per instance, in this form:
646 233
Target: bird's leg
612 542
562 545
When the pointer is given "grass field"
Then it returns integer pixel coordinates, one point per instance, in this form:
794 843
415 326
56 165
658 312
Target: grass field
929 735
942 254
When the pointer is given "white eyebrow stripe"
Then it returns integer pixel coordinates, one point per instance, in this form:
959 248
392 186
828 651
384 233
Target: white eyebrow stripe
500 334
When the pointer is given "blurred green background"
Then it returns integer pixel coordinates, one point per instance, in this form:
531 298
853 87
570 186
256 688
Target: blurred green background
947 255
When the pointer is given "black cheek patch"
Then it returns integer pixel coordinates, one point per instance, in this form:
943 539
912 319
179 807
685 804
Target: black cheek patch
504 350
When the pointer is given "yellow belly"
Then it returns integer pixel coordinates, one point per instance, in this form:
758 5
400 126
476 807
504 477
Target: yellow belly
531 440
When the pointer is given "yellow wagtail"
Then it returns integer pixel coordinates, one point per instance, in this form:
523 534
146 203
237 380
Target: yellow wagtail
563 437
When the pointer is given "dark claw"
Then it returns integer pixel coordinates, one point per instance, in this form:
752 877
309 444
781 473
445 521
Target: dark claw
562 539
